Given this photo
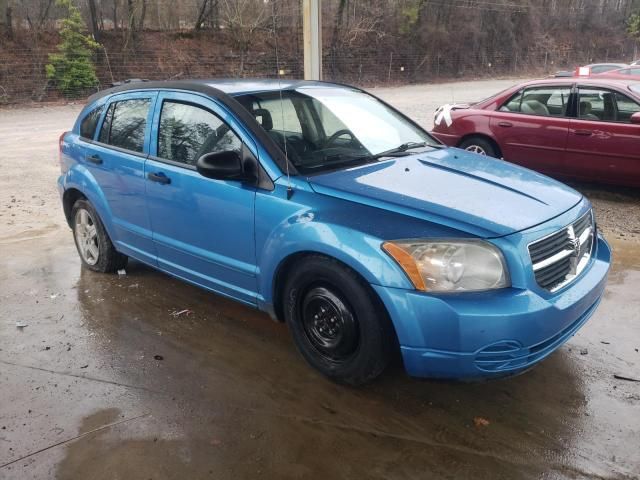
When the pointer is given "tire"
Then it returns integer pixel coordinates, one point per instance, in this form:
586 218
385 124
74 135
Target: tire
92 242
479 145
338 324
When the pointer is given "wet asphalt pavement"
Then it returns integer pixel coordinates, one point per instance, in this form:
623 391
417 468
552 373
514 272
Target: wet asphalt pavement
111 378
145 377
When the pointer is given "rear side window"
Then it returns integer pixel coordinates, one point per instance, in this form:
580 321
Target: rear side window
125 124
187 132
90 122
540 101
606 106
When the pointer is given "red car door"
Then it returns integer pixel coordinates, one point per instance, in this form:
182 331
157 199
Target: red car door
603 144
532 128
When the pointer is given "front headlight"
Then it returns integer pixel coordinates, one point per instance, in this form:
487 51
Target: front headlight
450 265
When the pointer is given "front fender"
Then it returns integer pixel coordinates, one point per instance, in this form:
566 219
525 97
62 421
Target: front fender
293 228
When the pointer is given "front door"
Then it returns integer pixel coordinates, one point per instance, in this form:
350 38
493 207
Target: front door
603 143
203 229
532 128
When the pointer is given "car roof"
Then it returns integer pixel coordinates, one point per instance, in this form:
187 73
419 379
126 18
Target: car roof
229 86
621 65
596 81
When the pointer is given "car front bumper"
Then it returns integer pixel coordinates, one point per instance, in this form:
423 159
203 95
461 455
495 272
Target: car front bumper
447 138
491 334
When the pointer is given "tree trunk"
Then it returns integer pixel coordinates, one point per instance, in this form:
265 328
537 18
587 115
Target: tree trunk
143 14
115 15
335 38
44 14
93 17
4 4
202 12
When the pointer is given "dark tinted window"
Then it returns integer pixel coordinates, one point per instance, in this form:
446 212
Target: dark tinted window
90 122
541 101
187 132
125 123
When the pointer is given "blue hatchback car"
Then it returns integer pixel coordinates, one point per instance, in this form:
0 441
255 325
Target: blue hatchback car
330 210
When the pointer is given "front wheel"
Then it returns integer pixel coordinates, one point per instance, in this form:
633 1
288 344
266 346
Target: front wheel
94 245
339 326
479 145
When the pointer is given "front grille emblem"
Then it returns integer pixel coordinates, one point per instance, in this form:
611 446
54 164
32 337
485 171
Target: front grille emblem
560 257
575 246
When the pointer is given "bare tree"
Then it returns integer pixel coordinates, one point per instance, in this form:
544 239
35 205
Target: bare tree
242 20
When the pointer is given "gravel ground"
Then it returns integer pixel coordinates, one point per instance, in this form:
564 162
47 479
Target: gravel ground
29 205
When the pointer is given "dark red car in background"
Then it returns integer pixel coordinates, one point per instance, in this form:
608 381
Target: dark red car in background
586 129
628 73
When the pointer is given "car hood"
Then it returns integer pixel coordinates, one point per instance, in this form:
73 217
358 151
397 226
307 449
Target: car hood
482 196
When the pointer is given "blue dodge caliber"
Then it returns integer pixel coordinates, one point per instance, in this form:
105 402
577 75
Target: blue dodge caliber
333 212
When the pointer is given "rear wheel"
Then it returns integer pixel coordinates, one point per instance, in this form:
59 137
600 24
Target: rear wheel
337 323
94 245
479 145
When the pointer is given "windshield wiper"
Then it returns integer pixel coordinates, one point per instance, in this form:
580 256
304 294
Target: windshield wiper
401 150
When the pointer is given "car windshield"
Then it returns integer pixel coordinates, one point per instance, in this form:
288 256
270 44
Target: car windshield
322 128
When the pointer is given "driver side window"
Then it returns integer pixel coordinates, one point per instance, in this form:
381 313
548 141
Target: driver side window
187 132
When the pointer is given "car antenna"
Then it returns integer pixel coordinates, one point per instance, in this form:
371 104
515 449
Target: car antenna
284 134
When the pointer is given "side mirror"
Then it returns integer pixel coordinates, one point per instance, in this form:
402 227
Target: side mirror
229 165
635 118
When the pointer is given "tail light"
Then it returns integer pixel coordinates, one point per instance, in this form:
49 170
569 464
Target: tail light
60 144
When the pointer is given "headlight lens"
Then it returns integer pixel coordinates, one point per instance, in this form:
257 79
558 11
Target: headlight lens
450 266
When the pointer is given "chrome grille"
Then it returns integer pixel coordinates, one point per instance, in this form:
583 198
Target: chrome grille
560 257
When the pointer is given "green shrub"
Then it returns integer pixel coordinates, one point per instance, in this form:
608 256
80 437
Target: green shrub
72 68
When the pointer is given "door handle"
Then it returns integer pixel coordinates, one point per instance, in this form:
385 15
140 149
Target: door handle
94 159
159 177
584 133
505 124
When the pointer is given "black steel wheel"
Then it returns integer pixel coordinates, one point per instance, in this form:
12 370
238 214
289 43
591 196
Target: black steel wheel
329 324
337 322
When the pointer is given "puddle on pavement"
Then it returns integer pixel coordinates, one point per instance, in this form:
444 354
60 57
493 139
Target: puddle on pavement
226 395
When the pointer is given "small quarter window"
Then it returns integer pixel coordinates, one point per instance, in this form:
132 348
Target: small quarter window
125 124
187 132
90 122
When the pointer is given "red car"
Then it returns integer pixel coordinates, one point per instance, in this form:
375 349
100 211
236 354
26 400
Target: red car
629 73
586 129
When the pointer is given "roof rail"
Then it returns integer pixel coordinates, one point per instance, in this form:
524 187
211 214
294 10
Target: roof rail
128 80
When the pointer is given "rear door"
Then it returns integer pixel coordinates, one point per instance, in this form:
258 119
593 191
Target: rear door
603 143
116 159
203 229
532 127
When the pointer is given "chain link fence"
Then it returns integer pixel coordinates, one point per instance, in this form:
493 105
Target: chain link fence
23 76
